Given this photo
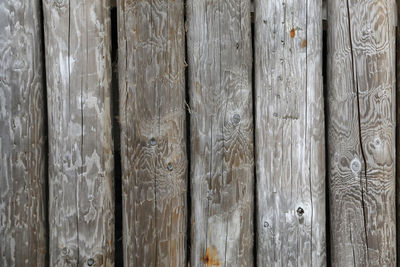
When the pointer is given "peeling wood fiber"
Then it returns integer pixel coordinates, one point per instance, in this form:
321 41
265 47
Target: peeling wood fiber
361 132
22 142
289 132
221 137
153 140
81 198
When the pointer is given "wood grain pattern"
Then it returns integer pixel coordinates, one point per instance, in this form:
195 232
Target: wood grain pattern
81 200
222 158
290 143
152 116
398 126
361 132
22 150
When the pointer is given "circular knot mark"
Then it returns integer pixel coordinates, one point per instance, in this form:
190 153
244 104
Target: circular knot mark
355 166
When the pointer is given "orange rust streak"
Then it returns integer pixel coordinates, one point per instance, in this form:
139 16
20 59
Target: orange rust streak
211 258
304 43
292 33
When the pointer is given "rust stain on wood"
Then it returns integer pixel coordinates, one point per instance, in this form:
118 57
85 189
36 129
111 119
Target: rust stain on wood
292 33
211 258
304 43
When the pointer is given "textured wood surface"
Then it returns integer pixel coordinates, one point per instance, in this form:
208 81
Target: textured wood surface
361 132
78 70
398 125
22 153
289 130
152 117
222 158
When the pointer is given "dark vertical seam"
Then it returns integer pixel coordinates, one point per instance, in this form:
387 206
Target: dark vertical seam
82 99
355 84
241 44
187 139
158 139
168 83
125 158
310 144
352 247
211 150
223 92
69 107
253 110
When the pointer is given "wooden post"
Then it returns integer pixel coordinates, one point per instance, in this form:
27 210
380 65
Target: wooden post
361 132
222 158
290 143
22 149
153 146
397 171
81 199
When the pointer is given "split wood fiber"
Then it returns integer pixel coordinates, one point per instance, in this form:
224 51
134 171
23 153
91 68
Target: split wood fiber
361 132
289 132
22 141
78 70
221 137
153 139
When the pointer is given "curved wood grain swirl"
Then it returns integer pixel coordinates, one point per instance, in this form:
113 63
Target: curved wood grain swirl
222 159
81 198
152 117
22 153
290 142
361 131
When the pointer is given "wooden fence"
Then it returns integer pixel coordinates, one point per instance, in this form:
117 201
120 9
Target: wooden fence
199 133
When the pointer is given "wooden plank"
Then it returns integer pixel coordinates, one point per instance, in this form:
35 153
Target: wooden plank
22 142
289 130
222 158
398 124
81 199
152 117
361 132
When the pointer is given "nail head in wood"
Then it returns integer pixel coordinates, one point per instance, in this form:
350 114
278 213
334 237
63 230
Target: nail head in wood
300 211
90 262
153 141
170 167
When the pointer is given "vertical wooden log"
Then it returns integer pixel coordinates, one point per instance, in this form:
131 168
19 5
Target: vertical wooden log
361 132
153 145
222 158
397 171
290 148
81 210
22 153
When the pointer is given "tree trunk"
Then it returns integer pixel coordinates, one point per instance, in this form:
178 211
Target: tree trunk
222 155
290 141
153 145
22 141
81 198
361 128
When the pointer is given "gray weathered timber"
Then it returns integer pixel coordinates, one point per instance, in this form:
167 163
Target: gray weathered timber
152 118
222 158
22 153
78 64
361 132
289 130
398 124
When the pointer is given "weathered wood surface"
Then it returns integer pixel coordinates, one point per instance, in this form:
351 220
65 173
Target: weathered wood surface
22 150
361 132
289 130
398 125
81 201
152 117
222 158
